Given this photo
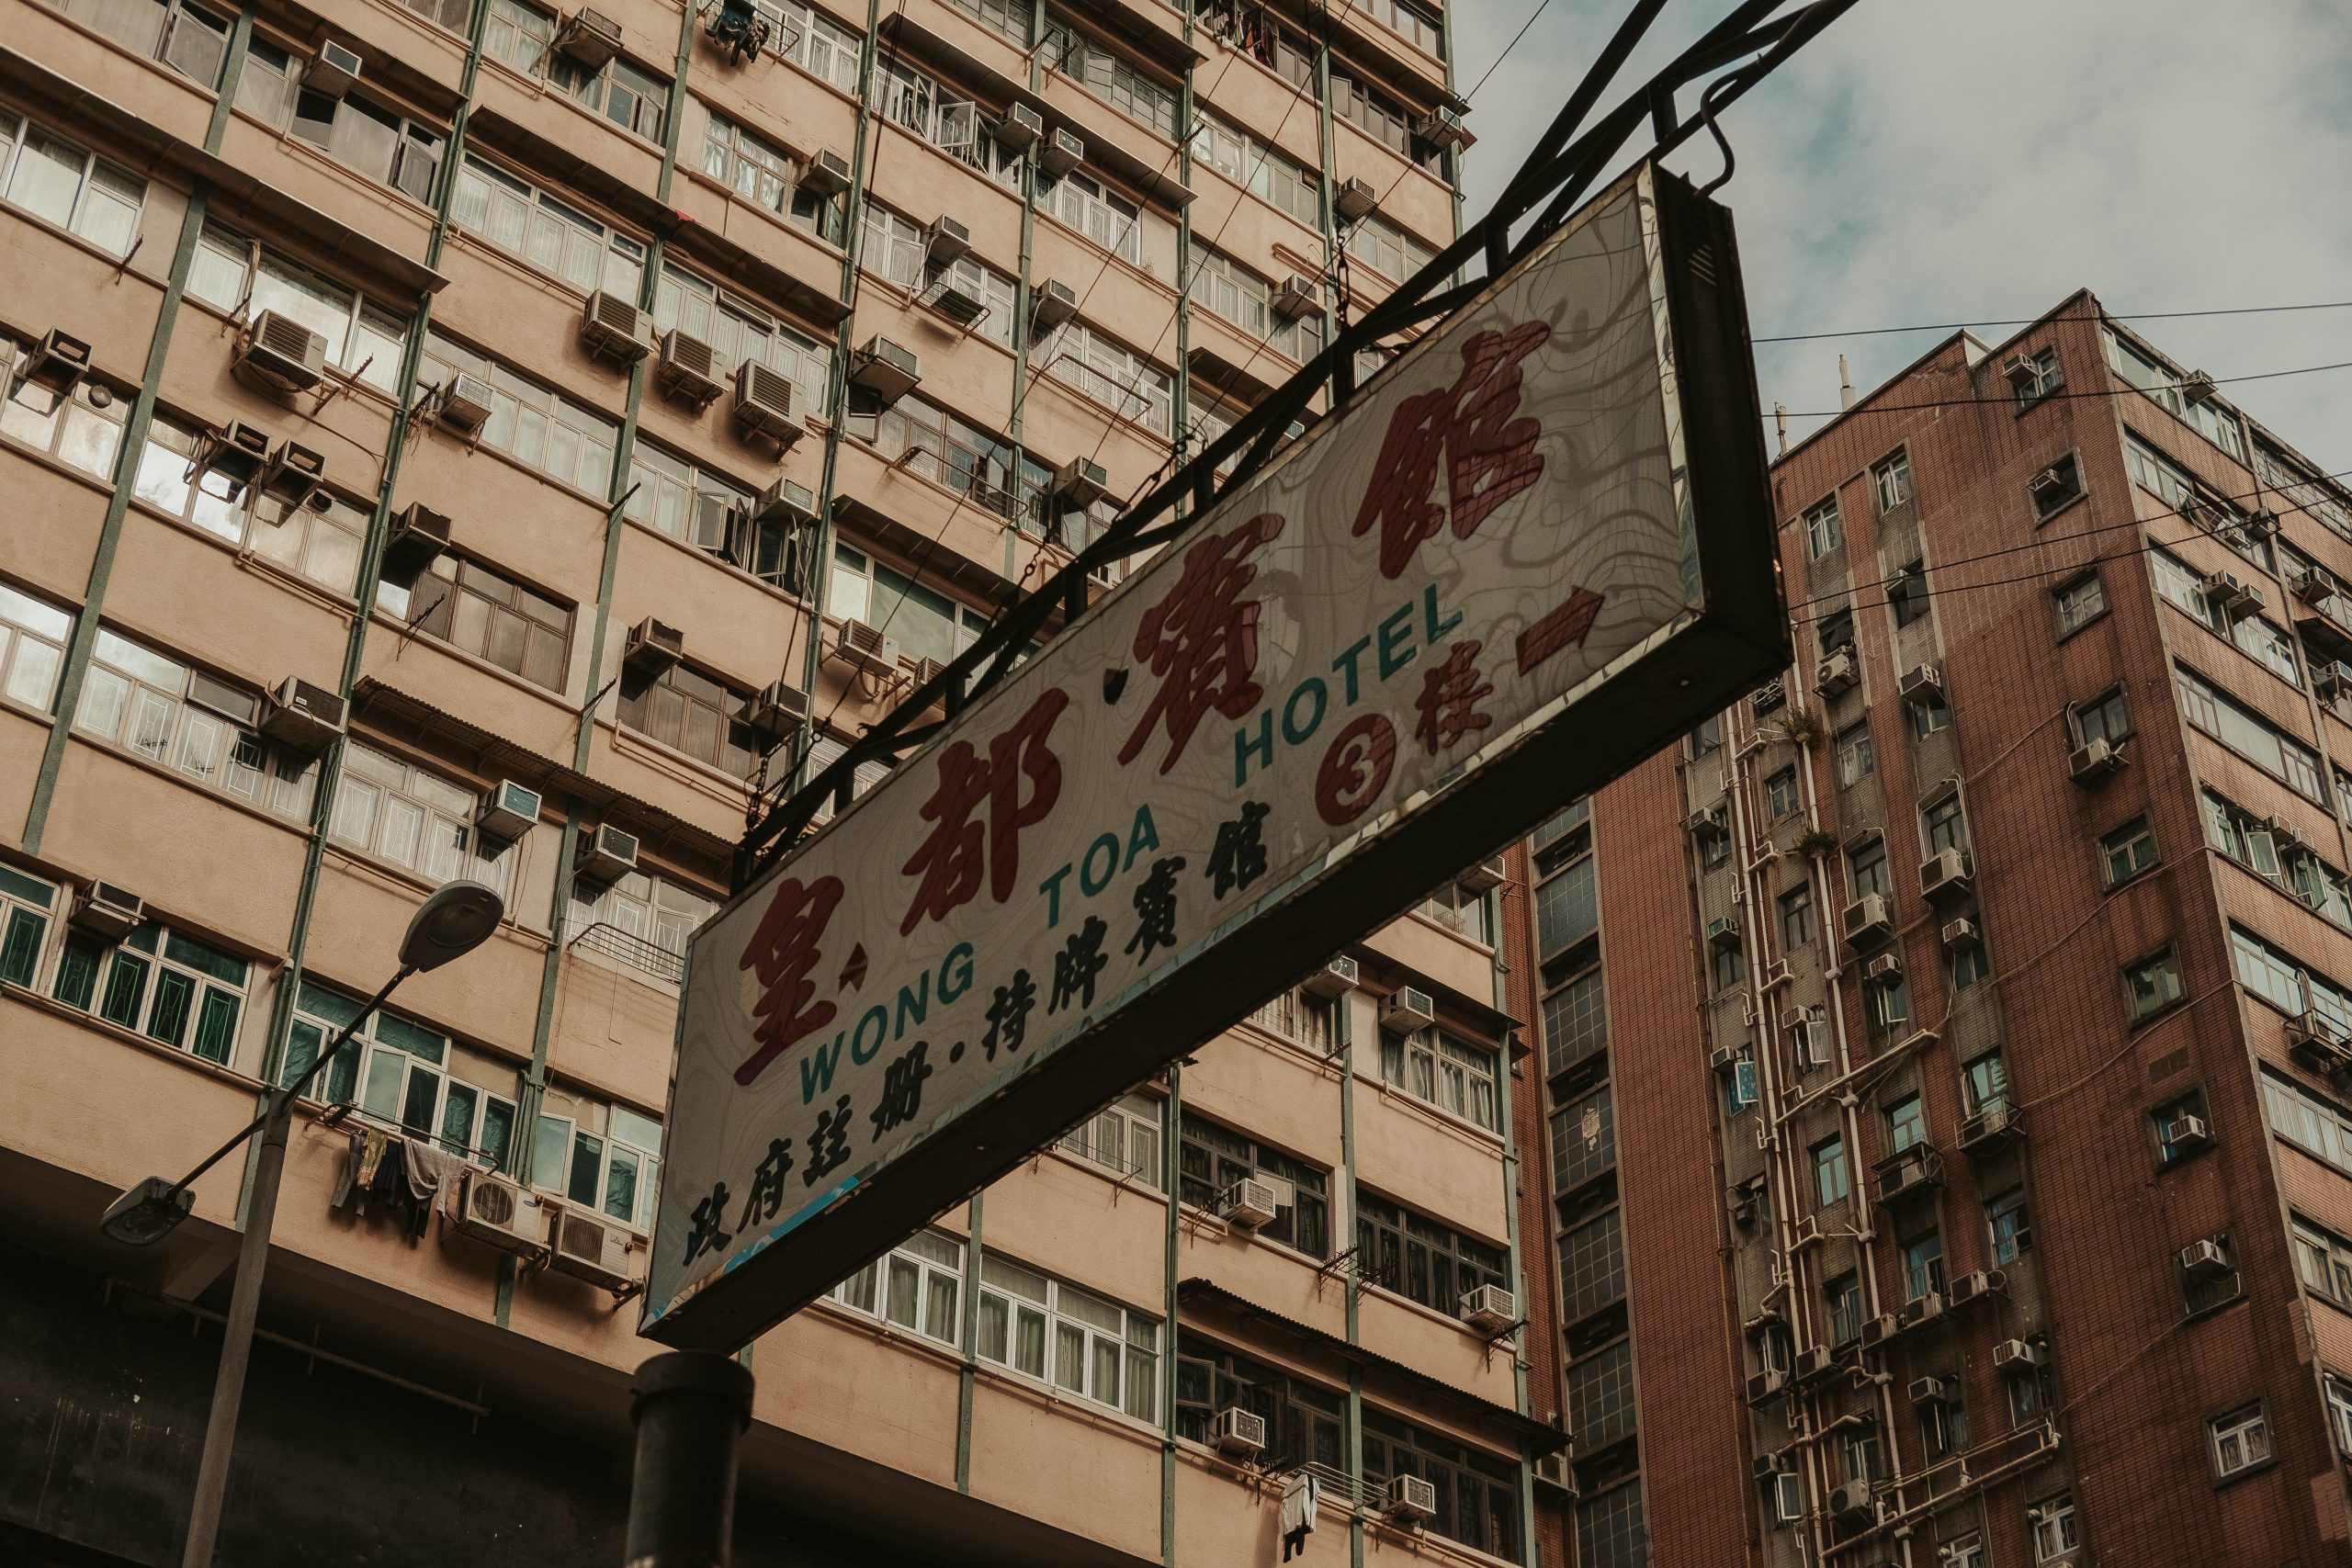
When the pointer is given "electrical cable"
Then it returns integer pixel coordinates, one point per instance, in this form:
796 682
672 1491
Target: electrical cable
2039 321
2046 397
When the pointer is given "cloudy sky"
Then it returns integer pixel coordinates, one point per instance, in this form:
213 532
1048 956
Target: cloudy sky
1977 158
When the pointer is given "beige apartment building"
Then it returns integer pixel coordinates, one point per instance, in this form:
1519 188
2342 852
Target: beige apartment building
466 439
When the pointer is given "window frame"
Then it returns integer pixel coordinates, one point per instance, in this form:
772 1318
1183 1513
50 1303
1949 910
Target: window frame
2233 1437
1135 1357
929 1279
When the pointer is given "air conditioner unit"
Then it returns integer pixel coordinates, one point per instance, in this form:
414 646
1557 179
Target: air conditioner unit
766 403
1248 1203
1406 1010
2049 485
1557 1470
948 296
415 540
687 369
238 452
1707 822
2286 837
827 174
1483 877
107 911
1064 151
493 1209
1868 920
588 39
784 500
1770 1383
1490 1309
332 69
866 649
1962 932
303 717
1916 1169
2093 761
612 324
1722 934
1923 686
507 812
1816 1363
1929 1391
2315 1041
2204 1260
1240 1432
1806 1232
1053 303
2016 1356
1410 1500
607 853
1988 1129
2185 1131
2314 585
594 1249
1335 980
1442 127
1019 128
884 370
57 364
1852 1501
282 354
652 647
1724 1058
465 403
1946 873
1082 482
1880 1329
1974 1286
1837 673
2198 386
2020 369
291 474
2332 681
2231 597
945 241
1297 296
1354 199
776 710
1922 1309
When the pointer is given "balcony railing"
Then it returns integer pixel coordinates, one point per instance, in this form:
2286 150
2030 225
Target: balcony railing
610 942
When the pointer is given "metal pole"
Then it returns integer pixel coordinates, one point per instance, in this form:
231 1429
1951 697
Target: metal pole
692 1408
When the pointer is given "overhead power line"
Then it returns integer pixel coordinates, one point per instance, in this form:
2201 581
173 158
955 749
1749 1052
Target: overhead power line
2035 321
2046 397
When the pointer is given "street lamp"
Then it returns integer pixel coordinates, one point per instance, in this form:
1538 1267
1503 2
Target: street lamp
455 920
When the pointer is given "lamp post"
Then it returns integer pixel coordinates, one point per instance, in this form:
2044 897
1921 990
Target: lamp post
455 920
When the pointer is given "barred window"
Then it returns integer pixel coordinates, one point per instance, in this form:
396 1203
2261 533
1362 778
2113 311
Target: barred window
1600 1396
1576 1021
641 921
1584 1139
1592 1267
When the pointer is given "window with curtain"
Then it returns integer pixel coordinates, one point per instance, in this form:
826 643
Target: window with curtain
918 1285
61 182
1455 1076
238 274
1074 1339
201 727
415 819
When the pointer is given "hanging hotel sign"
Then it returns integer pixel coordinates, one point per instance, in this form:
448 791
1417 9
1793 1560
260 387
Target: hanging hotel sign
1536 548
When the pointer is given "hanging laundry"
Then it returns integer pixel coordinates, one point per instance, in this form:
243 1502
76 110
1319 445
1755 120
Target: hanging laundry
1301 1491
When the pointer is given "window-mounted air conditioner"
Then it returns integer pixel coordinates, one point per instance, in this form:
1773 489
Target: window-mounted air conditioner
588 39
611 323
1868 920
1442 127
766 403
651 648
2187 1132
1923 684
786 502
2231 597
2332 681
1064 151
827 174
303 717
1336 978
1019 128
687 369
1880 1329
886 369
607 853
1976 1285
1962 932
866 649
292 474
1411 1500
948 296
945 241
1929 1391
1924 1308
1851 1500
107 911
2019 369
1406 1010
237 451
507 812
1707 822
1248 1203
56 365
496 1210
1916 1169
464 403
594 1249
1988 1129
1053 303
2051 485
1815 1364
2198 386
1298 295
2206 1260
1082 482
776 710
1354 199
281 354
1722 934
1239 1432
1490 1309
2016 1355
332 69
1770 1383
1837 672
415 540
1946 872
2094 760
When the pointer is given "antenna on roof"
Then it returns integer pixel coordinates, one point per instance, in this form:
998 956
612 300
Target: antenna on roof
1845 385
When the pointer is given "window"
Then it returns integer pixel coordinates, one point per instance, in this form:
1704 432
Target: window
918 1285
2056 488
1459 909
2153 471
1858 1452
1843 1298
1592 1268
1110 374
33 635
2339 1411
1857 760
1455 1076
738 329
1602 1407
1567 907
815 42
767 177
2285 982
191 41
2241 1439
1835 631
1891 478
1010 18
511 214
1584 1139
1380 116
2153 985
1929 713
925 624
162 983
2323 1259
1299 1018
385 808
2127 852
2256 636
183 719
84 430
62 184
1288 186
1740 1092
2298 483
1576 1021
2012 1233
1961 1552
1111 77
1946 825
600 1156
2167 1124
1726 967
1830 1183
1968 964
2249 735
676 496
1906 1123
926 439
318 539
1866 868
2079 602
2310 1122
1923 1265
1228 289
1797 916
622 91
2037 376
1071 1339
1781 793
1306 1423
481 611
914 100
372 139
1907 592
693 713
1212 1160
1477 1494
1123 1136
1824 529
1611 1532
2211 420
1708 736
641 920
542 430
1886 1006
1385 248
26 905
457 15
1421 1259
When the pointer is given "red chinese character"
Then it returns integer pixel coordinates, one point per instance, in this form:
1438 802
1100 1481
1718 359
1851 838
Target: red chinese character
1449 699
783 950
961 845
1202 640
1489 455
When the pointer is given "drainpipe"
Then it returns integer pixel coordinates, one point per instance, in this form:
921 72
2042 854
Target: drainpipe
1492 903
1343 1037
1172 1178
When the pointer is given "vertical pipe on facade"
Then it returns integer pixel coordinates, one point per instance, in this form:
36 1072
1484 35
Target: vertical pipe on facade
968 1374
1323 136
1512 1264
1173 1183
1344 1038
1180 413
83 645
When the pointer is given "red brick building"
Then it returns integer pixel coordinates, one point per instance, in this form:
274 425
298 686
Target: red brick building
1948 1050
